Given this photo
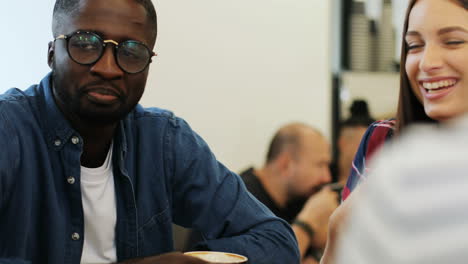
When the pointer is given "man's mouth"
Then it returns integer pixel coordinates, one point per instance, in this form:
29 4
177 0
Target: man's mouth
102 95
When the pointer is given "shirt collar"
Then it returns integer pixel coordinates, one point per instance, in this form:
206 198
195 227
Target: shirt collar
58 129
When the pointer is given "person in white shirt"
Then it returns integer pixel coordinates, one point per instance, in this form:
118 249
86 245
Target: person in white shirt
414 209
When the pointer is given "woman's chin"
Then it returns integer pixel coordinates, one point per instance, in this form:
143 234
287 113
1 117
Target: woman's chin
444 116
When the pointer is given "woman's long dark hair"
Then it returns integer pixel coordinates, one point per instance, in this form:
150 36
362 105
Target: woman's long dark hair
410 110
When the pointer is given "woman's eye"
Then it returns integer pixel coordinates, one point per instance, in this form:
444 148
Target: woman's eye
455 42
412 47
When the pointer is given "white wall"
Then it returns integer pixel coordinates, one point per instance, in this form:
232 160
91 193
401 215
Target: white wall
236 70
26 29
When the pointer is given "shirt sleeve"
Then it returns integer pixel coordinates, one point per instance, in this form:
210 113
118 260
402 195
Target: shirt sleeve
373 139
210 198
9 159
358 165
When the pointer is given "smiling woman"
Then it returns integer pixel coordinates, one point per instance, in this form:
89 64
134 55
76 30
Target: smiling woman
434 79
434 54
436 58
433 89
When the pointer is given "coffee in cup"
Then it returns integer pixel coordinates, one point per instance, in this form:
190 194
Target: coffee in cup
216 257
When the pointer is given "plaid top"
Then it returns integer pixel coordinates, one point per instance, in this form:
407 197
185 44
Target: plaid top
377 133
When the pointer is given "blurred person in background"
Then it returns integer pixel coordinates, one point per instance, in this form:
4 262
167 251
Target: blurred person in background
291 185
351 131
416 212
433 87
290 182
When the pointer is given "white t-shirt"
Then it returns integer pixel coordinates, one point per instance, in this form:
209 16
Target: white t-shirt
100 213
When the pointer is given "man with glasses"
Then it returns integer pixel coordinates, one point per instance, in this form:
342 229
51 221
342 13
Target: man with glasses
89 176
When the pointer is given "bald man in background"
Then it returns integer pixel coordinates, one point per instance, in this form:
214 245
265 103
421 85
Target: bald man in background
290 182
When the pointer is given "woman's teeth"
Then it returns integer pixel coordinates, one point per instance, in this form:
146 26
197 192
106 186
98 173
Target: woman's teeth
433 86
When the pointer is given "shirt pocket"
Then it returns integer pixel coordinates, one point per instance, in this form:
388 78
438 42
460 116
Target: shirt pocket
155 235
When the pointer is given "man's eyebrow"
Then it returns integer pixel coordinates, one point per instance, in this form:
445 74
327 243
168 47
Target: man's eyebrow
101 34
451 29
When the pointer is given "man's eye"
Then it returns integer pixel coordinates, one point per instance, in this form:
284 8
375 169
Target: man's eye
85 46
131 54
88 47
128 53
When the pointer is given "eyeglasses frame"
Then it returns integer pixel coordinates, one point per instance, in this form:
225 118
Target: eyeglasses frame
104 44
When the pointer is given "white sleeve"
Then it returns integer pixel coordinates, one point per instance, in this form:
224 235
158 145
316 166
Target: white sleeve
413 209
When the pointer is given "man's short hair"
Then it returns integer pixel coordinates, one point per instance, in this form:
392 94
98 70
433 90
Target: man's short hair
288 138
66 8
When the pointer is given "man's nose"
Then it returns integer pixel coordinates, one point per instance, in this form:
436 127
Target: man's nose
107 66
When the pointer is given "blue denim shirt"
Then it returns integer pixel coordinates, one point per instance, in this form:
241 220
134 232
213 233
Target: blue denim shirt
164 173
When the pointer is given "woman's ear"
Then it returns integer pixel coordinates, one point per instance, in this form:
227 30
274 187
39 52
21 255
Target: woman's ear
50 54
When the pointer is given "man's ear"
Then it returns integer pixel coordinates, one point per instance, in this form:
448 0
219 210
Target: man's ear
284 163
50 54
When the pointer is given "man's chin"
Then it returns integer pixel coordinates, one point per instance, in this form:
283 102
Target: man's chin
102 118
95 114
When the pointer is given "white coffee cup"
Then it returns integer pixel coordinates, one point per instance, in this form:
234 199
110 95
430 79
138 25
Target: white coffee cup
216 257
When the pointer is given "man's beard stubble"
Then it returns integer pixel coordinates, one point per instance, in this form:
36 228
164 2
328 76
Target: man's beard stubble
71 106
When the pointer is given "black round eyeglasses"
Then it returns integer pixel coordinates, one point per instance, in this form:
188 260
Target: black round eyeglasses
87 48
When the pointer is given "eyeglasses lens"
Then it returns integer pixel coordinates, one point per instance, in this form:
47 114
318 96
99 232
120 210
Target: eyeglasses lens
133 56
85 48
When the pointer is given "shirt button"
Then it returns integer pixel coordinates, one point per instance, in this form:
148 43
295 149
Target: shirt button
75 140
75 236
57 142
71 180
